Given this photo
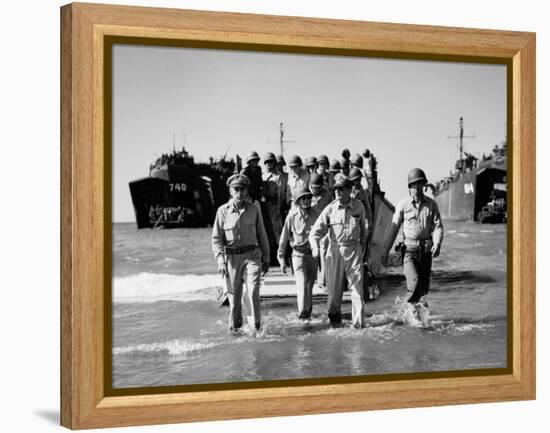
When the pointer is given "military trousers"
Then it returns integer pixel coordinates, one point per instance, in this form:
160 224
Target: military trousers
345 263
305 270
244 266
323 246
417 267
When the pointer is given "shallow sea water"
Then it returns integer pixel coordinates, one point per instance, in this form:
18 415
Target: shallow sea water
168 329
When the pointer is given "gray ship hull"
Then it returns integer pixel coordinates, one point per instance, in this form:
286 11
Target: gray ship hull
466 197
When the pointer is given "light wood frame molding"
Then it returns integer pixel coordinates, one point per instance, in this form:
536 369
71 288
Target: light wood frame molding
84 29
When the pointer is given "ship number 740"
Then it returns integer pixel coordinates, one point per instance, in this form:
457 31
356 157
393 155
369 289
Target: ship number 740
178 187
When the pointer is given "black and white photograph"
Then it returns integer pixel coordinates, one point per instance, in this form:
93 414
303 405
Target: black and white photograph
295 216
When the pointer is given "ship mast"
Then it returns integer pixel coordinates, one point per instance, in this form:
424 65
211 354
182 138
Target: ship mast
282 129
282 140
461 136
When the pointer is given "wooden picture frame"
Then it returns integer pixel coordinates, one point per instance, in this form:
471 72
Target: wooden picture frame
85 213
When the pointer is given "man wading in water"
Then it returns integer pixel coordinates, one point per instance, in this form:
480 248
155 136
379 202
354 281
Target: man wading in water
239 243
345 222
422 232
297 226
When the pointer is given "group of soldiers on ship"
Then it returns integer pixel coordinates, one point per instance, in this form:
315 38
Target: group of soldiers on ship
317 219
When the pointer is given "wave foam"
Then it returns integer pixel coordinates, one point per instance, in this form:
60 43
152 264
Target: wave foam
147 287
173 347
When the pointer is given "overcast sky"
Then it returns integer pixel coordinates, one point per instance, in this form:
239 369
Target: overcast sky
402 110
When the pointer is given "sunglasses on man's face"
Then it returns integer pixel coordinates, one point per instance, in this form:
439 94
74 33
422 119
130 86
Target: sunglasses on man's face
238 188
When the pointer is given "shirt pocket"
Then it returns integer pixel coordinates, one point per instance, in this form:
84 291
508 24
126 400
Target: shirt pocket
410 215
230 228
337 226
300 232
353 228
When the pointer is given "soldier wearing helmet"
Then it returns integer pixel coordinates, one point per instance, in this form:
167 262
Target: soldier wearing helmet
241 248
272 186
368 168
344 166
357 162
321 197
346 154
284 186
311 164
345 223
254 173
358 193
281 163
296 231
334 168
298 178
422 232
323 169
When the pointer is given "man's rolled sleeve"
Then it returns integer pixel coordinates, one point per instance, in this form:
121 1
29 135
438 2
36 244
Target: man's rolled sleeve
437 235
285 236
397 220
319 229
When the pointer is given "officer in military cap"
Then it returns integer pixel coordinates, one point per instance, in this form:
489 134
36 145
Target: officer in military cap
240 245
296 230
345 222
422 232
254 173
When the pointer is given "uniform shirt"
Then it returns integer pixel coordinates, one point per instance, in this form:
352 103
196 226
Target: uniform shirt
254 174
296 182
272 185
346 225
297 227
237 228
321 201
421 221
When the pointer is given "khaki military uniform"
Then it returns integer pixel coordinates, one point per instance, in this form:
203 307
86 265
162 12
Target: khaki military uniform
296 230
422 228
296 182
239 235
346 226
320 202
